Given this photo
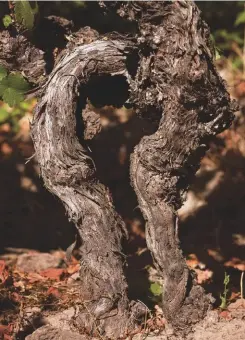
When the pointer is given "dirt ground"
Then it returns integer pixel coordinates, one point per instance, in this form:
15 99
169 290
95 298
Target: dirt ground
37 281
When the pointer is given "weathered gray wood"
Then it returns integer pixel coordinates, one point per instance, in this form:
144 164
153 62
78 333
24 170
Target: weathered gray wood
18 54
69 172
175 85
185 87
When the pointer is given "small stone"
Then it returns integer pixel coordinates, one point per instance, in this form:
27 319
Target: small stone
37 262
49 332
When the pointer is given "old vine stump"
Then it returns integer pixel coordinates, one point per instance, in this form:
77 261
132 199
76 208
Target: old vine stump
165 55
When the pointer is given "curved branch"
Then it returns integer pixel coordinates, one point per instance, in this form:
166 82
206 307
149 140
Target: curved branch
176 78
18 54
180 80
69 172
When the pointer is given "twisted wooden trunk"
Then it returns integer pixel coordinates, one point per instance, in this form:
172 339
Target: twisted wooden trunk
167 62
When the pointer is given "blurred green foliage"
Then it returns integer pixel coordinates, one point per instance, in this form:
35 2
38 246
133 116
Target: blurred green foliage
7 21
12 87
226 20
156 289
223 297
25 12
3 72
240 18
12 115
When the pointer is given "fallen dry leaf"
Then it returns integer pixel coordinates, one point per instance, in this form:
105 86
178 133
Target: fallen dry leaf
73 268
20 285
54 273
203 275
240 89
3 271
236 263
53 291
15 297
5 277
192 261
35 277
225 315
5 330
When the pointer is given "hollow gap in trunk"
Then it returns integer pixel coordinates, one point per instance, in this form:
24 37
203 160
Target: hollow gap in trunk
111 132
56 25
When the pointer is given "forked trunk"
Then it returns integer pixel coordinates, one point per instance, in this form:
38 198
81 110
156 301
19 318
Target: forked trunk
167 60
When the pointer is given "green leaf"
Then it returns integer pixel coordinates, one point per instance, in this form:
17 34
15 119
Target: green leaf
237 63
16 81
223 304
4 115
79 3
240 19
25 105
25 13
156 289
217 54
3 85
226 279
3 72
7 21
12 97
12 88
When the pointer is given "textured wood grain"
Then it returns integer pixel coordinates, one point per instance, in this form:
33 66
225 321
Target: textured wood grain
69 172
172 82
184 86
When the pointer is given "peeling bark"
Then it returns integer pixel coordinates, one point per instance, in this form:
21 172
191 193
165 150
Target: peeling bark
18 54
184 85
168 64
69 172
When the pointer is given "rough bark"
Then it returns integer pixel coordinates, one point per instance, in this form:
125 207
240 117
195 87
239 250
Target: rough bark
168 64
175 77
18 54
185 87
69 172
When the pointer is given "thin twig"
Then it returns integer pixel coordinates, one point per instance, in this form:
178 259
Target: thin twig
241 285
30 158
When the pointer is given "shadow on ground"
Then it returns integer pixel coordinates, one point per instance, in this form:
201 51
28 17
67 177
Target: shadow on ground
212 221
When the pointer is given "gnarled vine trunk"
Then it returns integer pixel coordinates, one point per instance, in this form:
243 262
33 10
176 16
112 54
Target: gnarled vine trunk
167 60
69 172
184 85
